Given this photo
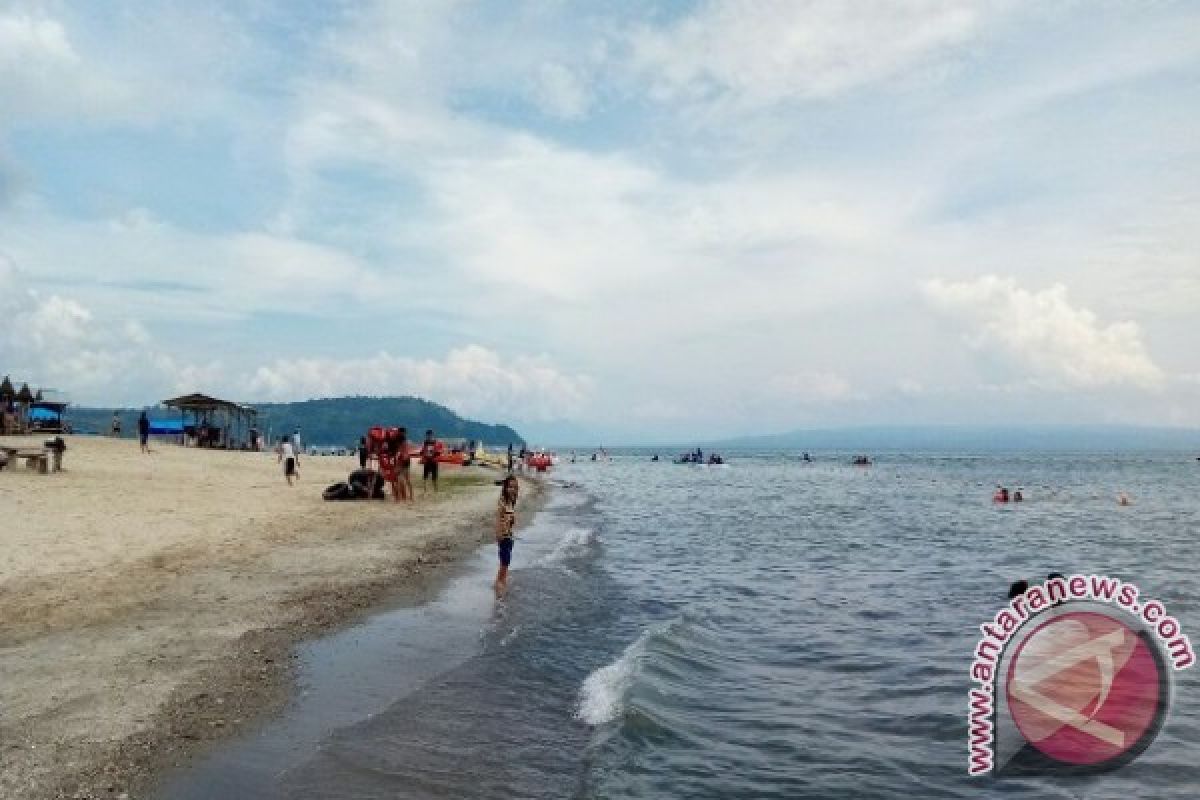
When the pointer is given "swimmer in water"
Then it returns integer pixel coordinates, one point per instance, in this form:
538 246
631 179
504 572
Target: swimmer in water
1056 576
1017 589
1123 500
1017 496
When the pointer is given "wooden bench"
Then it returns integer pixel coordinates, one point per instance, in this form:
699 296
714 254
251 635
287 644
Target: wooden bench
34 459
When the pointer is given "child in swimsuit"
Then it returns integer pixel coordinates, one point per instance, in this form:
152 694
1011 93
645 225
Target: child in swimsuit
506 519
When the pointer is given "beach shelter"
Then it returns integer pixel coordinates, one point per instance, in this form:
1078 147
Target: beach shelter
46 416
214 422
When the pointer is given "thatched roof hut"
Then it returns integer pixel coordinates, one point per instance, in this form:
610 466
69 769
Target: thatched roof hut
25 396
6 390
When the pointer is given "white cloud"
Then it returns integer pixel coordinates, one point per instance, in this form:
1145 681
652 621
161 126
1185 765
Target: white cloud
56 342
759 53
42 74
559 93
1042 334
804 160
222 274
472 380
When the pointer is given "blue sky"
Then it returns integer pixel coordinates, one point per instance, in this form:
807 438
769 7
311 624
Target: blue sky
633 220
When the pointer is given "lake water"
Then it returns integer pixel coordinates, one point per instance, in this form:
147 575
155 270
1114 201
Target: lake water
774 629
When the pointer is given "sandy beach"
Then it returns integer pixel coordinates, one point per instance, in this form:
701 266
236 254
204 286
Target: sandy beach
148 602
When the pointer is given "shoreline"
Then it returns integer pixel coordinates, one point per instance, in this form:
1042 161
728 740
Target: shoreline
305 574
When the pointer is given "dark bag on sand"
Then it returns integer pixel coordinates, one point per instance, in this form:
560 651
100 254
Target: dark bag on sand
361 481
338 491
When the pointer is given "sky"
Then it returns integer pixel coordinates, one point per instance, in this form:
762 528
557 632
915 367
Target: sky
630 220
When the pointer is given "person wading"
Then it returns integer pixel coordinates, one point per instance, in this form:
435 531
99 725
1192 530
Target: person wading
506 520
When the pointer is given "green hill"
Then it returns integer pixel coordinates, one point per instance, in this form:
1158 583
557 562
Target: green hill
332 421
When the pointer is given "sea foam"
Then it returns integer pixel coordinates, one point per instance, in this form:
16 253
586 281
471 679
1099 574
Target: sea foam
603 694
574 543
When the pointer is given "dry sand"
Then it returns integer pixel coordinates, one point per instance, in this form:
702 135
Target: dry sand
148 602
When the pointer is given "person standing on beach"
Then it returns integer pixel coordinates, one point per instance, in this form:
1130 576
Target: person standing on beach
510 458
429 463
296 448
362 452
404 465
116 425
506 520
287 456
144 432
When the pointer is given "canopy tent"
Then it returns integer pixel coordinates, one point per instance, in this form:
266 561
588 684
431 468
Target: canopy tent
215 422
46 416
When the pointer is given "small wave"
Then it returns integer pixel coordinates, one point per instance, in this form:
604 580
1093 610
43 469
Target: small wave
602 696
574 543
603 693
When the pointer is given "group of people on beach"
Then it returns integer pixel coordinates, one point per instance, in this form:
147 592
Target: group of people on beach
288 454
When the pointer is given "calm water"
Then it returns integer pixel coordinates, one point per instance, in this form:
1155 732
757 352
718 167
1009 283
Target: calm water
770 630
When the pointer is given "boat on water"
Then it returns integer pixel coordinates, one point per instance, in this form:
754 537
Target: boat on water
697 459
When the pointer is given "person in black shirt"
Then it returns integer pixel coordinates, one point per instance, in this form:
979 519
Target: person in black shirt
429 463
144 432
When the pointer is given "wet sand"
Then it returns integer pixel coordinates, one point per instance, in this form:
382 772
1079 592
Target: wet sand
148 604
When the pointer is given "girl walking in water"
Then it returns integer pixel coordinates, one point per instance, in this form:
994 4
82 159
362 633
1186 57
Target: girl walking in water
506 519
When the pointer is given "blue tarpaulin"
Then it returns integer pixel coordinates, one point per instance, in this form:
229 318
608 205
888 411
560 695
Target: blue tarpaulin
166 426
43 415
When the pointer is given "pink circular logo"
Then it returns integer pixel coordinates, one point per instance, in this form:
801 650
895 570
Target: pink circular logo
1086 689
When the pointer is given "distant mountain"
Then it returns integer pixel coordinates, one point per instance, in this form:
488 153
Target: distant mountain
1089 438
332 421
